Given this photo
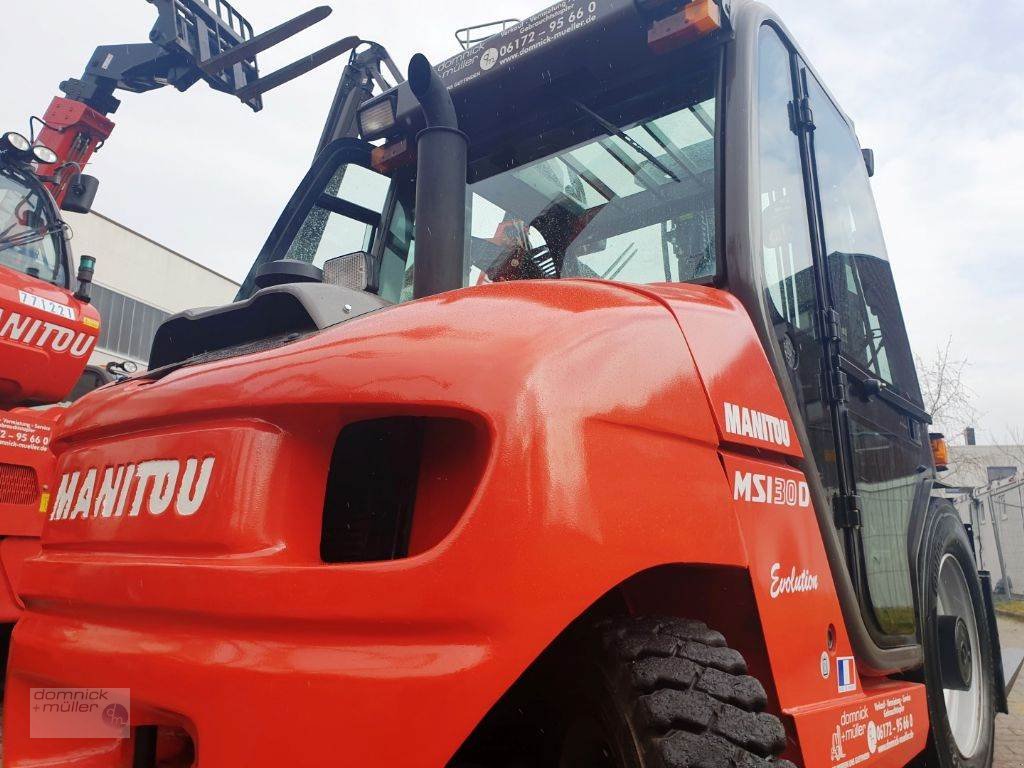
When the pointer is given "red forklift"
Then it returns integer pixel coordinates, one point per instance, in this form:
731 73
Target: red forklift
47 328
566 418
47 332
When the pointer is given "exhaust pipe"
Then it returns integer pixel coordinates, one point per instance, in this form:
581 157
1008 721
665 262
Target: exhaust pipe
440 185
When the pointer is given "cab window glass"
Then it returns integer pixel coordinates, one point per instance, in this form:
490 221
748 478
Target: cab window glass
633 202
344 217
786 250
887 454
29 235
639 210
785 237
399 254
863 291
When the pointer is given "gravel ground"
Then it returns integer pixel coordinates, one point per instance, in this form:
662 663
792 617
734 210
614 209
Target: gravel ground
1009 728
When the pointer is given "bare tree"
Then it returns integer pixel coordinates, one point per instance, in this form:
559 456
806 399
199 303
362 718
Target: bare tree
947 397
950 401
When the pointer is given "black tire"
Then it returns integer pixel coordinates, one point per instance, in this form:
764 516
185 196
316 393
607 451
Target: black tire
944 536
657 692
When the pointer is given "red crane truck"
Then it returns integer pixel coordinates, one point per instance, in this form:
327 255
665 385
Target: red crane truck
612 455
47 332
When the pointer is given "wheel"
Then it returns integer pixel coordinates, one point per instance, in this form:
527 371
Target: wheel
957 647
666 693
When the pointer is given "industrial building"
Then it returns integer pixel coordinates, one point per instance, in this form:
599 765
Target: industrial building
986 483
139 283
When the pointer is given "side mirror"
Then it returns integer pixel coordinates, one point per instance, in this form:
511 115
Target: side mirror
122 368
80 194
869 161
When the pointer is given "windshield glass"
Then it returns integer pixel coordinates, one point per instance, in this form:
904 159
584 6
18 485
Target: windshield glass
28 231
621 189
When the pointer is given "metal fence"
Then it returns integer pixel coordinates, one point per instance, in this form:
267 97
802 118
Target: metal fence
996 514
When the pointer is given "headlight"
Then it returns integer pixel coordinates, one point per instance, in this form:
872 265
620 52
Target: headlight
377 118
15 141
44 155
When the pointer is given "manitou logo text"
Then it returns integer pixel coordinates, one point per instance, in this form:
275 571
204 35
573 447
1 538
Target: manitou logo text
768 489
747 422
34 332
128 489
792 582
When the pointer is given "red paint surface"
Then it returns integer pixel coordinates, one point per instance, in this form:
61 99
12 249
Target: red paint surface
600 456
38 373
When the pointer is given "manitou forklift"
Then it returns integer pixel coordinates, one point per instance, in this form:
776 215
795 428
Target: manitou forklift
47 332
613 456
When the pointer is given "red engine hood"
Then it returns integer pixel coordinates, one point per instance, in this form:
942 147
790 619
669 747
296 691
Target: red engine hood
46 336
745 401
152 452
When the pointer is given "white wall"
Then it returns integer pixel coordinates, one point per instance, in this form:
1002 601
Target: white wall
137 267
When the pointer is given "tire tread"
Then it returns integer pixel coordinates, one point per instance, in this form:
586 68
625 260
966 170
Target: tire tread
689 695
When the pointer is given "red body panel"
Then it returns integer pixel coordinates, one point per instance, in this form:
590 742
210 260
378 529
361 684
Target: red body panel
25 453
602 455
46 336
27 467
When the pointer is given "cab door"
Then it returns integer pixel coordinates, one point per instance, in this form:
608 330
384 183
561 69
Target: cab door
882 436
838 324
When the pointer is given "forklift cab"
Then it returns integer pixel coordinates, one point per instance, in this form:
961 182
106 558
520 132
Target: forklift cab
31 229
633 179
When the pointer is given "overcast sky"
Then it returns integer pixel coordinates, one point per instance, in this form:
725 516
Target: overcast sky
936 88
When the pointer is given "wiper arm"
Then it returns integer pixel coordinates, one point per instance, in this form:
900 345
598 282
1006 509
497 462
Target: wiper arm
613 130
25 238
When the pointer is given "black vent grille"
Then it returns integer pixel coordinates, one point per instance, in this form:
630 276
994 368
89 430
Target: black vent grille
371 491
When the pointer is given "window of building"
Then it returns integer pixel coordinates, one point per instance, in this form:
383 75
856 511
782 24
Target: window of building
128 326
995 474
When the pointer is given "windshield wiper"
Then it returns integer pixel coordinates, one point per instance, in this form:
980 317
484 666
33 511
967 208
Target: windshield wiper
613 130
25 238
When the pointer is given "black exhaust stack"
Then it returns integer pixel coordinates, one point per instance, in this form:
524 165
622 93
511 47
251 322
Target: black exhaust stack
440 185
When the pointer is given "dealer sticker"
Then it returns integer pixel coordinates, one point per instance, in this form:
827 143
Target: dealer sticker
27 435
